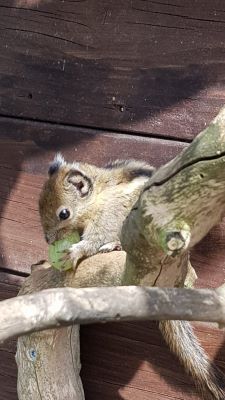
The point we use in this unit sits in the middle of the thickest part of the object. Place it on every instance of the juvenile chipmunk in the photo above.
(95, 201)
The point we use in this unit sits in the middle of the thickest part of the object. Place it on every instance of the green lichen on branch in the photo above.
(178, 206)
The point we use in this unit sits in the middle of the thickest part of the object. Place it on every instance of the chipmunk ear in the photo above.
(56, 164)
(81, 182)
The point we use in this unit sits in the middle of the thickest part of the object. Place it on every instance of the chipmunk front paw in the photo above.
(74, 253)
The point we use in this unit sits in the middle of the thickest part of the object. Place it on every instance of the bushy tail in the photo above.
(183, 342)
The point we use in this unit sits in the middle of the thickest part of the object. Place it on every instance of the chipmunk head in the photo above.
(65, 188)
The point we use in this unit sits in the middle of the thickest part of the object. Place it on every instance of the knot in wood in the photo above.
(175, 241)
(31, 354)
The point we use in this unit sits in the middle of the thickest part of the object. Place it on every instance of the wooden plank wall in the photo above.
(101, 80)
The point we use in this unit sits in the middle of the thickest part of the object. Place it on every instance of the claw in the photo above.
(64, 258)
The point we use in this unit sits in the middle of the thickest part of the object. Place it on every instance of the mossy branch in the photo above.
(179, 205)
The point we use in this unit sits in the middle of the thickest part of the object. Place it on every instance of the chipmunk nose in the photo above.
(50, 237)
(47, 238)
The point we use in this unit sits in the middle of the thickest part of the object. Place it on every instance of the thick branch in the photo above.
(49, 361)
(59, 307)
(179, 205)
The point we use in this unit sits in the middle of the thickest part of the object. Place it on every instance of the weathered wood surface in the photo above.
(150, 67)
(136, 356)
(120, 360)
(64, 306)
(179, 205)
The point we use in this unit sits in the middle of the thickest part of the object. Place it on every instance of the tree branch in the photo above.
(64, 306)
(182, 201)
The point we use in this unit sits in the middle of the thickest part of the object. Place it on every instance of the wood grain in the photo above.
(150, 67)
(134, 355)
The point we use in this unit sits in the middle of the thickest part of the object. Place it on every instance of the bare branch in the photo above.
(64, 306)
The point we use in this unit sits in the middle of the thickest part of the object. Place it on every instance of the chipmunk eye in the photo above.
(64, 214)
